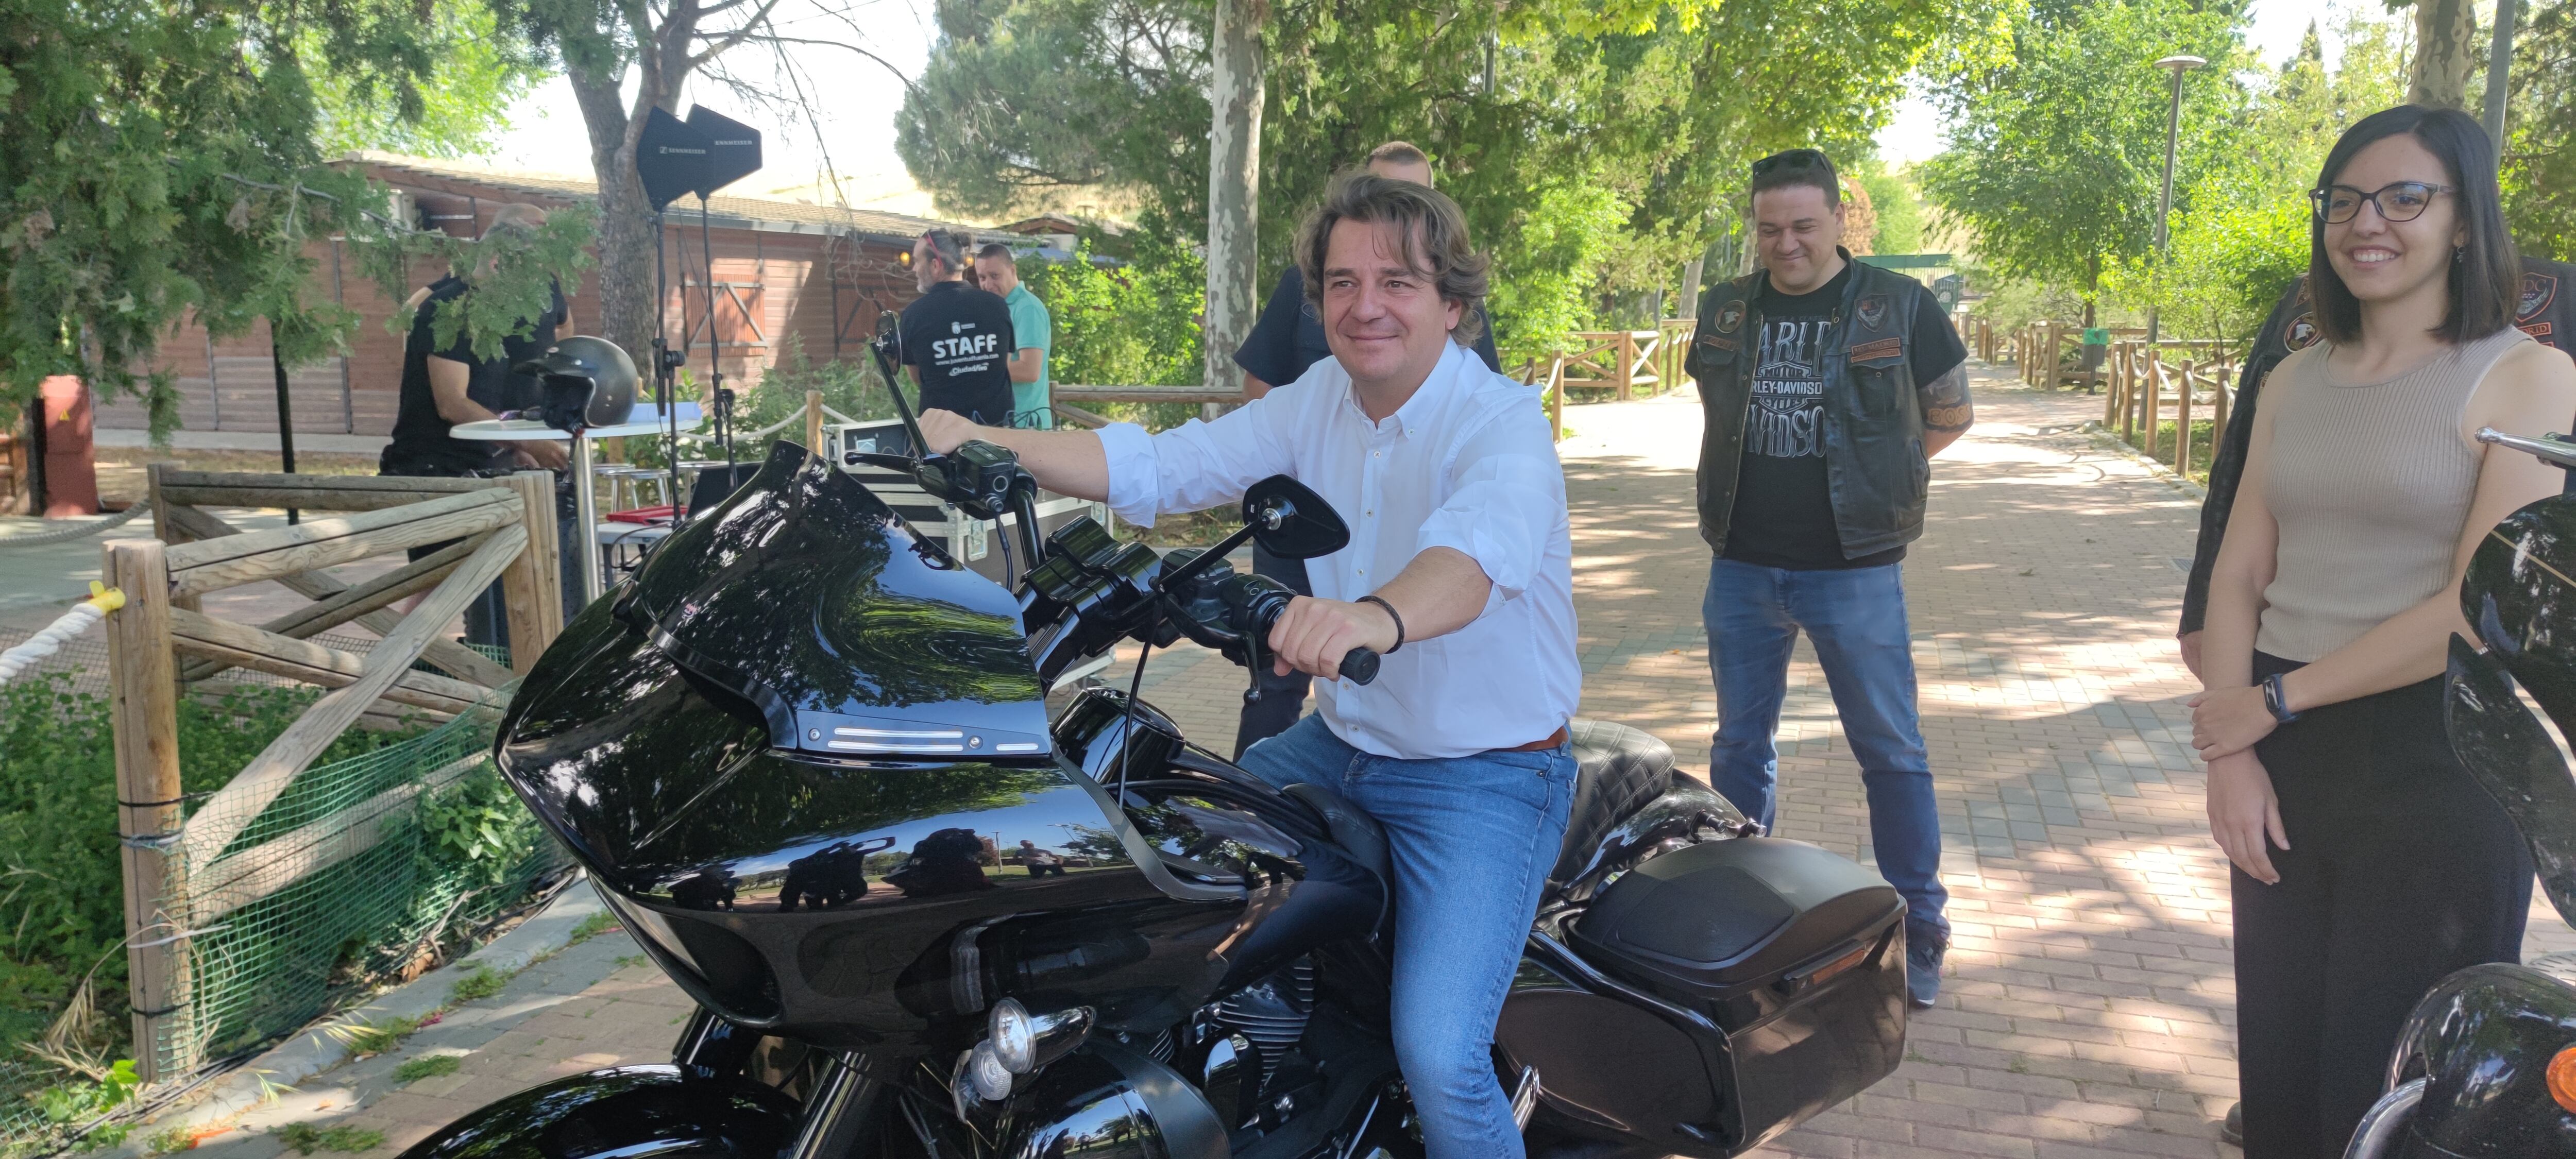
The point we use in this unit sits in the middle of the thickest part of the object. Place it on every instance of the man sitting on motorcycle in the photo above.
(1459, 572)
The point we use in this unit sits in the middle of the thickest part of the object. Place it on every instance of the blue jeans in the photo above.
(1856, 618)
(1472, 839)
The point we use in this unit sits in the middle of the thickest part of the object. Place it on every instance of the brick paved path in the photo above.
(2089, 1010)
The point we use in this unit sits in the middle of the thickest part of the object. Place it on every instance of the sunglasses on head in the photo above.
(1799, 157)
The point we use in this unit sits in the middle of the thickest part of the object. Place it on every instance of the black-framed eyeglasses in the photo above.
(1803, 158)
(2396, 201)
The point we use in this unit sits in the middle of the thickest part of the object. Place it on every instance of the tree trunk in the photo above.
(627, 308)
(1687, 306)
(1234, 186)
(2446, 35)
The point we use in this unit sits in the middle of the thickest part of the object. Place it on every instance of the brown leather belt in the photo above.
(1540, 745)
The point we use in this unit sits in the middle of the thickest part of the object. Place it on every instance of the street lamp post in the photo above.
(2178, 65)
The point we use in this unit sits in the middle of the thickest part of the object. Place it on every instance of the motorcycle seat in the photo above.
(1618, 770)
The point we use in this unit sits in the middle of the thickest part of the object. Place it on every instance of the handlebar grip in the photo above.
(1359, 665)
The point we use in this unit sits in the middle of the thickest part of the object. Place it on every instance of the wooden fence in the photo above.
(181, 877)
(1627, 362)
(2195, 378)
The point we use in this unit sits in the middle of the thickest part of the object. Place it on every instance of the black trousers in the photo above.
(1283, 698)
(2400, 871)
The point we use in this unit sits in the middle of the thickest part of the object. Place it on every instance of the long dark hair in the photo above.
(2486, 278)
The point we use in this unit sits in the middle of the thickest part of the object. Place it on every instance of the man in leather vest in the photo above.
(2546, 310)
(1827, 386)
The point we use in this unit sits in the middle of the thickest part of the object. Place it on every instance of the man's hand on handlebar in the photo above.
(1314, 634)
(945, 429)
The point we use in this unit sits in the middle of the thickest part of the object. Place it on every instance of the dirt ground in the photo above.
(120, 469)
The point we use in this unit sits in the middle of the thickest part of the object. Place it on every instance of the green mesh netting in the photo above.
(363, 871)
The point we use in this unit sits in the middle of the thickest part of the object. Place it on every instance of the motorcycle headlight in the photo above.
(1014, 1037)
(984, 1069)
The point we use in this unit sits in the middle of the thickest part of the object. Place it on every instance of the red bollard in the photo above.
(71, 459)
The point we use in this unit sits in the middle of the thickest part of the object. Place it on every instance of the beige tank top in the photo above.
(2370, 484)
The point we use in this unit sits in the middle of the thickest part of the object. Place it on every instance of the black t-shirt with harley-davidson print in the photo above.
(1784, 508)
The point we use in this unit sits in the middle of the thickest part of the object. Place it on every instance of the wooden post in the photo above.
(143, 680)
(532, 587)
(814, 422)
(1556, 397)
(1627, 364)
(2218, 413)
(2182, 425)
(2155, 401)
(152, 494)
(2111, 395)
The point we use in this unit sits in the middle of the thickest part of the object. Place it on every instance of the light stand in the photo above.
(701, 155)
(715, 345)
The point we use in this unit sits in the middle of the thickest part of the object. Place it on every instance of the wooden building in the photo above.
(781, 268)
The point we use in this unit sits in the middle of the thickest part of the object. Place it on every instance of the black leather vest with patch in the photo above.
(1873, 420)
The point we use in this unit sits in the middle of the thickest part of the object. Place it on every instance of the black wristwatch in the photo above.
(2277, 700)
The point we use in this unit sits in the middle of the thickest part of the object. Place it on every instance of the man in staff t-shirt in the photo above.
(957, 338)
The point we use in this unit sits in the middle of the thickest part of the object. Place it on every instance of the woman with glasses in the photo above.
(2367, 864)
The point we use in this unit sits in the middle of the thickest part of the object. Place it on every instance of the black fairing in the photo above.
(630, 1110)
(2518, 597)
(2482, 1040)
(807, 596)
(2484, 1037)
(844, 900)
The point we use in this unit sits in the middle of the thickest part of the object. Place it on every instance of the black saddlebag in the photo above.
(1798, 954)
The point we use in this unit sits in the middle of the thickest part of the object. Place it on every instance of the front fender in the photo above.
(2482, 1040)
(623, 1112)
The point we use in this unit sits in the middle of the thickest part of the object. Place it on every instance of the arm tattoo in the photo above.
(1945, 401)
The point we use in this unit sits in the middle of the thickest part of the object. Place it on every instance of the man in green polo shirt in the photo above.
(999, 273)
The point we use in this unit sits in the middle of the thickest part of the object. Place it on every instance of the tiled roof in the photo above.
(749, 212)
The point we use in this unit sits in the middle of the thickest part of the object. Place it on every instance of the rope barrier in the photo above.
(102, 600)
(76, 531)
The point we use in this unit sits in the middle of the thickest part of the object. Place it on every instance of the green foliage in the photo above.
(367, 1039)
(305, 1138)
(1654, 108)
(1129, 325)
(62, 915)
(483, 983)
(1896, 200)
(2229, 266)
(1564, 244)
(476, 73)
(431, 1066)
(2540, 153)
(162, 162)
(850, 385)
(2056, 150)
(480, 822)
(592, 926)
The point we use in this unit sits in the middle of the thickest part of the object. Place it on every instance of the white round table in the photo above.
(647, 420)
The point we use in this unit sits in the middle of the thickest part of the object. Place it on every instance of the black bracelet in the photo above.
(1390, 614)
(2277, 699)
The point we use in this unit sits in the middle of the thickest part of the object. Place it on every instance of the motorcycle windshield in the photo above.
(806, 595)
(2519, 597)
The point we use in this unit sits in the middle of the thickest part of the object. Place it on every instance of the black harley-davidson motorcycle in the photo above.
(806, 757)
(2486, 1065)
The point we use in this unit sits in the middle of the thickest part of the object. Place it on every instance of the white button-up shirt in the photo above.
(1468, 464)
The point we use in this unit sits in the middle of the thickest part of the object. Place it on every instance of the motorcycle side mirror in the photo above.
(1289, 520)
